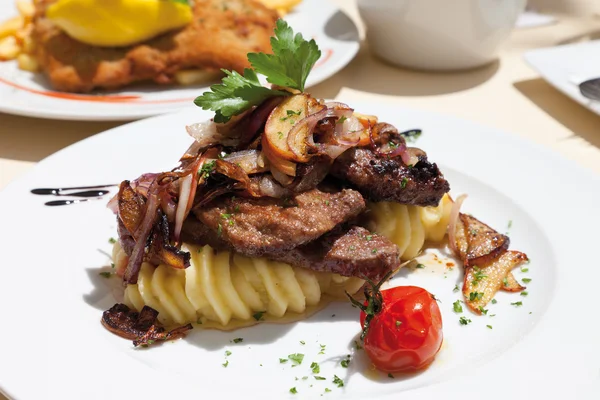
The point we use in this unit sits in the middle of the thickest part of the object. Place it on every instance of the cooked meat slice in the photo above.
(140, 327)
(388, 179)
(257, 226)
(356, 252)
(196, 232)
(220, 36)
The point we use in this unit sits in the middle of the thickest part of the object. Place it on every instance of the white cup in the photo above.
(439, 34)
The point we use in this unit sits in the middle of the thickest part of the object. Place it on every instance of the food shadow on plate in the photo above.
(341, 27)
(586, 37)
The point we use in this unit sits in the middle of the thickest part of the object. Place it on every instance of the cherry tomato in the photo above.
(407, 333)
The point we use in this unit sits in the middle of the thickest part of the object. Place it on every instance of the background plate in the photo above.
(565, 67)
(30, 94)
(51, 296)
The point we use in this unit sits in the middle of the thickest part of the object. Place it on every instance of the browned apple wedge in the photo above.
(510, 284)
(485, 244)
(280, 123)
(131, 206)
(283, 165)
(483, 281)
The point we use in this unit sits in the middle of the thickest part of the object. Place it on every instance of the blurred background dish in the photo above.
(439, 34)
(26, 92)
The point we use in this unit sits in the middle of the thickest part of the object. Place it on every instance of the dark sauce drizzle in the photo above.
(89, 193)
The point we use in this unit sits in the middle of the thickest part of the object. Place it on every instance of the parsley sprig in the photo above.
(288, 67)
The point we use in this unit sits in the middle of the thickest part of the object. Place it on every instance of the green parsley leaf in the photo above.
(225, 364)
(517, 304)
(412, 135)
(345, 362)
(302, 342)
(464, 321)
(398, 323)
(524, 270)
(319, 378)
(304, 378)
(327, 390)
(524, 293)
(292, 59)
(510, 224)
(105, 274)
(293, 390)
(238, 340)
(337, 381)
(357, 345)
(456, 289)
(483, 310)
(457, 306)
(315, 368)
(296, 357)
(478, 275)
(494, 301)
(489, 326)
(236, 94)
(283, 360)
(341, 120)
(258, 315)
(420, 266)
(473, 296)
(227, 353)
(112, 240)
(526, 280)
(112, 265)
(403, 182)
(374, 251)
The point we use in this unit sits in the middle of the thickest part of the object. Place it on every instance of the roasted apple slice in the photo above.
(483, 281)
(278, 126)
(510, 284)
(485, 244)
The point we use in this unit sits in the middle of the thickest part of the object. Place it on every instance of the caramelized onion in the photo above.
(300, 137)
(270, 188)
(386, 141)
(185, 191)
(251, 161)
(141, 235)
(454, 215)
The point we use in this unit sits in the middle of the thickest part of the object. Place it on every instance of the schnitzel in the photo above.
(220, 36)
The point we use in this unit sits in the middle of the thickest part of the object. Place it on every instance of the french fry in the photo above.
(282, 6)
(25, 8)
(9, 49)
(27, 62)
(197, 76)
(10, 27)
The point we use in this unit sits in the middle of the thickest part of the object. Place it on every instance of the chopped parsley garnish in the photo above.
(315, 368)
(207, 168)
(357, 345)
(526, 280)
(200, 250)
(297, 358)
(337, 381)
(227, 353)
(510, 224)
(219, 230)
(420, 266)
(225, 364)
(464, 321)
(478, 275)
(291, 113)
(374, 251)
(238, 340)
(283, 360)
(302, 342)
(352, 248)
(489, 326)
(403, 182)
(457, 306)
(322, 349)
(112, 240)
(345, 363)
(105, 274)
(258, 315)
(524, 270)
(319, 378)
(494, 301)
(112, 265)
(483, 310)
(304, 378)
(473, 296)
(524, 293)
(456, 289)
(492, 315)
(341, 120)
(505, 281)
(517, 304)
(280, 134)
(293, 390)
(327, 390)
(390, 375)
(369, 237)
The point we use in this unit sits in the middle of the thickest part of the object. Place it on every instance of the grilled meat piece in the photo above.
(254, 227)
(388, 179)
(354, 253)
(220, 36)
(140, 327)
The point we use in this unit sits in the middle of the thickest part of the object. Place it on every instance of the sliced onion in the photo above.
(300, 137)
(142, 233)
(348, 132)
(248, 160)
(168, 205)
(454, 215)
(143, 183)
(270, 188)
(207, 134)
(281, 177)
(113, 204)
(411, 155)
(185, 191)
(387, 141)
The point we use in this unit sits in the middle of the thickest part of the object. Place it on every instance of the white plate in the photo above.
(565, 67)
(30, 94)
(51, 296)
